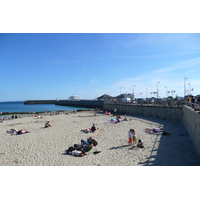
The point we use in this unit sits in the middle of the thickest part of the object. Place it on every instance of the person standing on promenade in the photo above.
(130, 137)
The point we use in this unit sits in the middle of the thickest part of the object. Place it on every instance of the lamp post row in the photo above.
(165, 87)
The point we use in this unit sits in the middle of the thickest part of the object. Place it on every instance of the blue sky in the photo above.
(51, 66)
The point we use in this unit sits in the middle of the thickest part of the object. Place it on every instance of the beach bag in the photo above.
(95, 143)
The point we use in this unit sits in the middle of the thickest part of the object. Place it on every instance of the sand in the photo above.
(46, 146)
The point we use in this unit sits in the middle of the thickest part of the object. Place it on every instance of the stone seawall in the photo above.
(173, 113)
(191, 121)
(40, 102)
(185, 114)
(81, 103)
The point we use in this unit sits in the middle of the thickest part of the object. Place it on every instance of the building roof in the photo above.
(105, 96)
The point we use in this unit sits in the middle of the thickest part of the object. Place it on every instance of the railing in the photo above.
(159, 103)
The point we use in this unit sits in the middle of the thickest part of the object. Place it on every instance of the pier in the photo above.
(40, 102)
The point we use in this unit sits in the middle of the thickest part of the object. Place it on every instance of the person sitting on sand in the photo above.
(87, 146)
(140, 144)
(47, 124)
(93, 128)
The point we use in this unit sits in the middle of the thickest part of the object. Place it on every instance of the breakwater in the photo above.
(40, 102)
(81, 103)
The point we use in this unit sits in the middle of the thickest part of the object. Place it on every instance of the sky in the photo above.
(58, 65)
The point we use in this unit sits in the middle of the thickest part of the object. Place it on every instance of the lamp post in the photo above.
(166, 91)
(133, 90)
(157, 88)
(185, 86)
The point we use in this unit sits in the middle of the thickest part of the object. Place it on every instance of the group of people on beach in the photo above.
(3, 119)
(21, 131)
(79, 150)
(90, 130)
(132, 139)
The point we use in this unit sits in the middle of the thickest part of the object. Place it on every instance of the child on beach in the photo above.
(134, 136)
(140, 144)
(130, 138)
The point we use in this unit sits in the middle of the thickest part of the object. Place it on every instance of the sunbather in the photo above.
(15, 131)
(78, 153)
(155, 131)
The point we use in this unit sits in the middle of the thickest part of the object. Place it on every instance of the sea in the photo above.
(19, 106)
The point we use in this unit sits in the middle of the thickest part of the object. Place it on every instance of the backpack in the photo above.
(95, 143)
(77, 146)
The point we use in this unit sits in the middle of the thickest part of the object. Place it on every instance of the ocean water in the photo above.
(18, 106)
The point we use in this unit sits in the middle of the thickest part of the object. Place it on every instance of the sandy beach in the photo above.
(46, 146)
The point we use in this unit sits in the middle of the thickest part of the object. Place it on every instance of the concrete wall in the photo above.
(81, 103)
(175, 113)
(191, 121)
(40, 102)
(185, 114)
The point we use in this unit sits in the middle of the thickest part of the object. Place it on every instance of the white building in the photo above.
(74, 98)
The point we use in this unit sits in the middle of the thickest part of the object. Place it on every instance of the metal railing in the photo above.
(159, 103)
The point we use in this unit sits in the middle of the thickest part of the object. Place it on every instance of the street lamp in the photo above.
(133, 90)
(157, 88)
(185, 86)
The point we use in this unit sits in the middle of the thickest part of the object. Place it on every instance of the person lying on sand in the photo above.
(15, 131)
(118, 119)
(125, 118)
(47, 124)
(85, 146)
(78, 153)
(156, 131)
